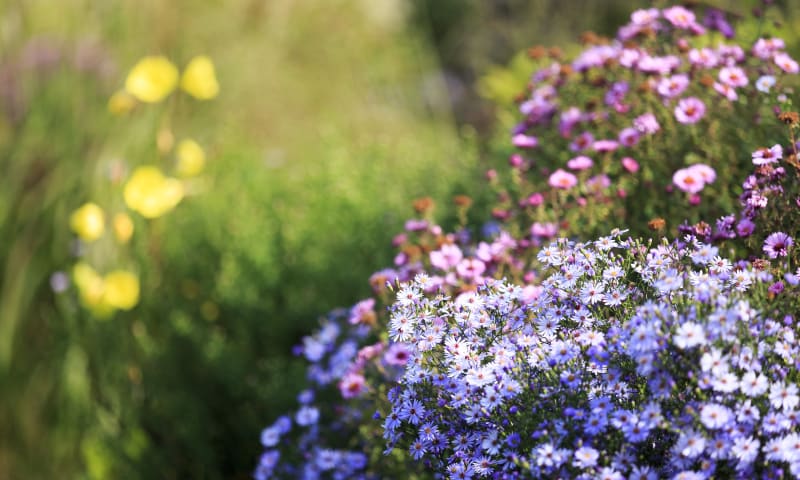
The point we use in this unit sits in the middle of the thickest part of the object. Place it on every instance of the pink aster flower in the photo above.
(544, 230)
(704, 57)
(671, 87)
(786, 63)
(777, 245)
(580, 163)
(660, 65)
(629, 57)
(733, 76)
(630, 164)
(706, 173)
(363, 312)
(688, 180)
(535, 199)
(690, 110)
(447, 257)
(470, 268)
(680, 17)
(763, 156)
(726, 91)
(730, 54)
(605, 145)
(646, 123)
(352, 385)
(562, 179)
(645, 17)
(525, 141)
(765, 48)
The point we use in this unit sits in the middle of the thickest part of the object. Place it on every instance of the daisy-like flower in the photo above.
(745, 449)
(754, 384)
(629, 137)
(726, 91)
(765, 83)
(704, 57)
(562, 179)
(679, 17)
(690, 110)
(688, 180)
(646, 123)
(580, 162)
(524, 141)
(777, 245)
(605, 145)
(630, 164)
(764, 48)
(586, 457)
(786, 63)
(784, 396)
(714, 415)
(689, 335)
(763, 156)
(671, 87)
(733, 76)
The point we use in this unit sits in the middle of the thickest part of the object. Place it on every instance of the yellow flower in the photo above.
(88, 222)
(121, 103)
(90, 284)
(199, 79)
(121, 289)
(191, 158)
(123, 227)
(152, 79)
(102, 295)
(152, 194)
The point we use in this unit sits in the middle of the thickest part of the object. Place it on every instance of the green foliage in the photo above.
(315, 150)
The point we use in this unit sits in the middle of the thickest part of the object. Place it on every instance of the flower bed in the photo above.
(628, 312)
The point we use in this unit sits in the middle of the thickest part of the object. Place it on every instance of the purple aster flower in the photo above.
(715, 20)
(777, 245)
(745, 227)
(776, 288)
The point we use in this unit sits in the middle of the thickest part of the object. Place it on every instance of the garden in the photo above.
(425, 239)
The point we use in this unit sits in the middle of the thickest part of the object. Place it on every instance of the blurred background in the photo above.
(332, 117)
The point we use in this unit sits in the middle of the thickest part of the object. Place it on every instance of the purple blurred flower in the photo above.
(777, 245)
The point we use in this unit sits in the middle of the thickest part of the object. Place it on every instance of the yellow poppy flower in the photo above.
(152, 194)
(121, 103)
(88, 222)
(191, 158)
(123, 227)
(199, 79)
(121, 289)
(152, 79)
(90, 284)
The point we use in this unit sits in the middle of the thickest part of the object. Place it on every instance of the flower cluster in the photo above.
(631, 361)
(624, 119)
(147, 190)
(509, 353)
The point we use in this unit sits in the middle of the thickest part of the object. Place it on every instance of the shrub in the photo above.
(640, 354)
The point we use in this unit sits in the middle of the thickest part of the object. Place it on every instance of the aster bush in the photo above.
(665, 349)
(649, 124)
